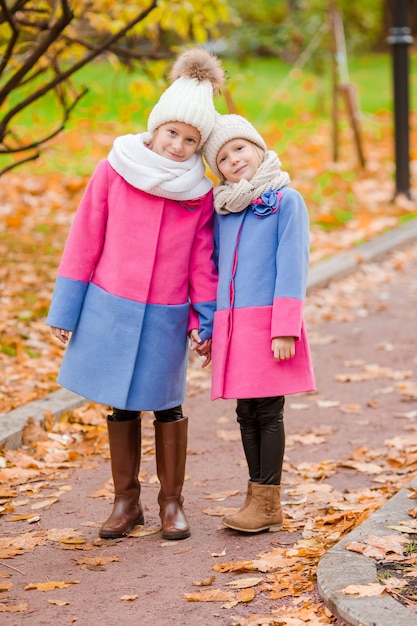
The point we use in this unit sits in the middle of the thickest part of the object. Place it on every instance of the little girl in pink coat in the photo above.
(136, 277)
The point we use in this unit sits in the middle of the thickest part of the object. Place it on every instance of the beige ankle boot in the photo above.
(263, 512)
(247, 499)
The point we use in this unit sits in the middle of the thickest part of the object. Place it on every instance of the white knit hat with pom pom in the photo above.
(196, 77)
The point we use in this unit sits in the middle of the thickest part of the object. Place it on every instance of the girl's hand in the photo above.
(60, 333)
(203, 349)
(283, 348)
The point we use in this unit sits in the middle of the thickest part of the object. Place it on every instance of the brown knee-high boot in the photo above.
(125, 451)
(171, 452)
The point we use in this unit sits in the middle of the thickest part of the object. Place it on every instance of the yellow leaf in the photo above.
(13, 608)
(97, 560)
(140, 531)
(62, 534)
(182, 550)
(210, 595)
(204, 583)
(243, 583)
(246, 595)
(129, 598)
(45, 503)
(51, 585)
(20, 518)
(240, 566)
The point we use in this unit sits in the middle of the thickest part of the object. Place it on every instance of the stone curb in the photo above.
(340, 567)
(323, 272)
(12, 423)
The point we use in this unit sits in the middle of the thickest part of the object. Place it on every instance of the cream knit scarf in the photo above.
(235, 197)
(146, 170)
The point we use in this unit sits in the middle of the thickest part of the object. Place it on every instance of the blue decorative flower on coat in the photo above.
(267, 204)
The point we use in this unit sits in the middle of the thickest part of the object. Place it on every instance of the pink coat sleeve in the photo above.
(86, 235)
(203, 273)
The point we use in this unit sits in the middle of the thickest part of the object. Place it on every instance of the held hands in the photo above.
(60, 333)
(203, 349)
(283, 348)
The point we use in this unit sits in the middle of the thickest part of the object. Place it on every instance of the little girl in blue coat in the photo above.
(260, 351)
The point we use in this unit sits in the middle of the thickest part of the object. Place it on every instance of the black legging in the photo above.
(261, 423)
(167, 415)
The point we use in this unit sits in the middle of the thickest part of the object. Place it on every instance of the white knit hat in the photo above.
(229, 127)
(197, 75)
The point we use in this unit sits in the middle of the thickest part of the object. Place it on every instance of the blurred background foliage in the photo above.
(285, 28)
(58, 56)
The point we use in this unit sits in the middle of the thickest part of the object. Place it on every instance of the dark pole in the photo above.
(400, 38)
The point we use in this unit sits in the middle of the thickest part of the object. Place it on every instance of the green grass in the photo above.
(281, 101)
(261, 88)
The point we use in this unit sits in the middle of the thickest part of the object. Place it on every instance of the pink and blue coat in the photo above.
(137, 273)
(263, 266)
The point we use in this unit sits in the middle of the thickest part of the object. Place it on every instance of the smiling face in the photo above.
(239, 158)
(176, 141)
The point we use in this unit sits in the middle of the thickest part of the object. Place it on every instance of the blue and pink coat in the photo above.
(263, 266)
(137, 273)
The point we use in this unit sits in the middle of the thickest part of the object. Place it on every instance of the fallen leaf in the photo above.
(246, 595)
(58, 602)
(204, 583)
(219, 511)
(13, 608)
(5, 585)
(45, 503)
(221, 495)
(50, 585)
(364, 591)
(141, 531)
(394, 583)
(96, 560)
(216, 554)
(243, 583)
(212, 595)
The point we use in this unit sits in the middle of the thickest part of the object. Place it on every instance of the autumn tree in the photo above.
(44, 43)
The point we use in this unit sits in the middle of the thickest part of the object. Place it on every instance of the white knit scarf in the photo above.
(235, 197)
(146, 170)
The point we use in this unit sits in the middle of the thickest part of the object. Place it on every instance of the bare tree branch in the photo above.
(15, 34)
(48, 37)
(35, 144)
(44, 44)
(64, 75)
(15, 164)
